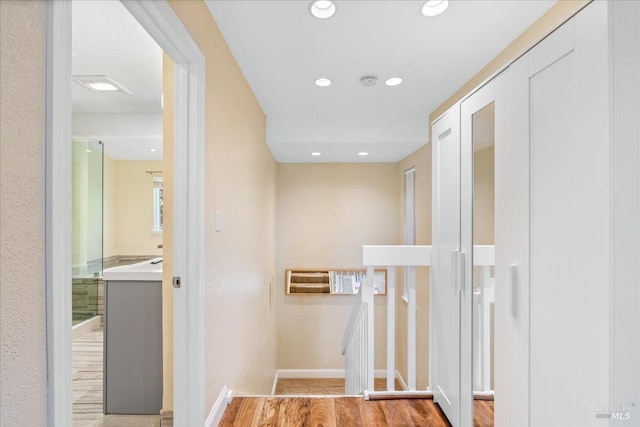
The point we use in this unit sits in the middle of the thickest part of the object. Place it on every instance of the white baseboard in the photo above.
(320, 373)
(85, 327)
(326, 373)
(275, 383)
(224, 398)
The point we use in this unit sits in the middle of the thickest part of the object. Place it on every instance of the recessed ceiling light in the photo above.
(322, 82)
(100, 84)
(316, 153)
(322, 9)
(363, 153)
(393, 81)
(88, 151)
(153, 150)
(434, 7)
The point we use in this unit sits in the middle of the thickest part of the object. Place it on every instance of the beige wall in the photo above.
(421, 160)
(128, 208)
(23, 383)
(240, 179)
(326, 212)
(483, 196)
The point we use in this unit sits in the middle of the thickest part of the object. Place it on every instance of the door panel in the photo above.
(445, 296)
(470, 106)
(552, 221)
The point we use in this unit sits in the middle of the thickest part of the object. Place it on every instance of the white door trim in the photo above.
(58, 213)
(160, 21)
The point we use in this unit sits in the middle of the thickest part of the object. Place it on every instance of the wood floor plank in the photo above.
(347, 410)
(295, 412)
(271, 412)
(322, 413)
(433, 415)
(249, 413)
(343, 412)
(230, 412)
(483, 413)
(398, 413)
(373, 413)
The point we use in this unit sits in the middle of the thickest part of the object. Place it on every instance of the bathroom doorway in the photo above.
(187, 95)
(117, 209)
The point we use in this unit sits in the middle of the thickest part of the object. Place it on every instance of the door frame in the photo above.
(161, 22)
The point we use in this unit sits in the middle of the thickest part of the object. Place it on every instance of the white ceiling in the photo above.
(282, 49)
(107, 40)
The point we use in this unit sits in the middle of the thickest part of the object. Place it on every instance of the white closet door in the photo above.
(445, 284)
(553, 224)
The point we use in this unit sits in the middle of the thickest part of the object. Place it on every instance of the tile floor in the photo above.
(87, 388)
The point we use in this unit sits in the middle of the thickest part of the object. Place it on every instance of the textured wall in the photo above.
(22, 252)
(326, 212)
(240, 179)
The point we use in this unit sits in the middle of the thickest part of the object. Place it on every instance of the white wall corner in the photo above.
(217, 411)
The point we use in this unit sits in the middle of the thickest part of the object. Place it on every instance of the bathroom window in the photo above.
(157, 204)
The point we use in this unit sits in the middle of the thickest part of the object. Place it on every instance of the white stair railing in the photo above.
(391, 257)
(357, 344)
(484, 297)
(410, 257)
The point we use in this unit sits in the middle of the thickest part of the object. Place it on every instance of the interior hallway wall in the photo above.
(326, 212)
(421, 160)
(240, 180)
(23, 356)
(484, 197)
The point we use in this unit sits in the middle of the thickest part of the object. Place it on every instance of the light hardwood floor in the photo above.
(87, 362)
(342, 412)
(331, 412)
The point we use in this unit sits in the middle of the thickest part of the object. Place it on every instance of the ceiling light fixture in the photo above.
(100, 84)
(322, 9)
(363, 153)
(434, 7)
(316, 153)
(393, 81)
(323, 82)
(153, 150)
(88, 151)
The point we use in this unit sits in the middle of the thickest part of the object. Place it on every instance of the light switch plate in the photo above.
(218, 220)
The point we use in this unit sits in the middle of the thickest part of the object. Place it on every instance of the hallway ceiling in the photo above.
(282, 49)
(107, 40)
